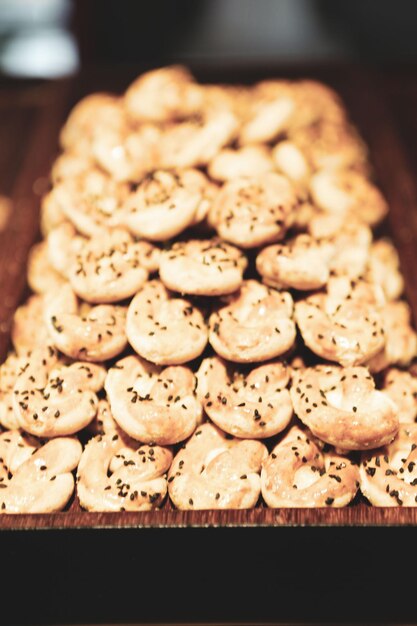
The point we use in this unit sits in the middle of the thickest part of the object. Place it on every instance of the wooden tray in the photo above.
(232, 562)
(359, 91)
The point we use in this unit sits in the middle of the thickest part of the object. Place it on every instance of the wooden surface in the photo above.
(381, 104)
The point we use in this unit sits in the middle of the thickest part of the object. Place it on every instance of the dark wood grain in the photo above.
(34, 132)
(363, 94)
(352, 516)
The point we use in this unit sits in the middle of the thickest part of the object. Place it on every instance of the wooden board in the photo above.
(360, 92)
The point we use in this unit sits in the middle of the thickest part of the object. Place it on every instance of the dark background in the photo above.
(53, 38)
(242, 31)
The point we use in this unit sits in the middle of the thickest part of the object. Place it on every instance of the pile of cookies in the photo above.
(212, 320)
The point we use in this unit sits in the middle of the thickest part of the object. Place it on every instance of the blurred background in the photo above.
(54, 38)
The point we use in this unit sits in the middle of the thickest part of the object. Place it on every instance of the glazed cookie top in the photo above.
(165, 203)
(202, 267)
(94, 334)
(110, 268)
(164, 328)
(151, 404)
(39, 480)
(114, 474)
(253, 324)
(343, 324)
(51, 399)
(298, 473)
(389, 475)
(213, 471)
(302, 263)
(255, 404)
(255, 210)
(342, 407)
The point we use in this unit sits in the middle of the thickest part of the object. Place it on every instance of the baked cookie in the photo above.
(163, 95)
(111, 268)
(348, 192)
(389, 475)
(298, 473)
(40, 479)
(114, 474)
(401, 387)
(252, 404)
(202, 267)
(29, 330)
(214, 471)
(341, 406)
(344, 324)
(165, 203)
(253, 324)
(247, 161)
(151, 404)
(97, 334)
(9, 371)
(163, 328)
(302, 263)
(255, 210)
(51, 399)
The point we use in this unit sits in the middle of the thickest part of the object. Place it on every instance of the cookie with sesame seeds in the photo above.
(96, 334)
(196, 141)
(51, 399)
(15, 448)
(164, 328)
(253, 404)
(302, 263)
(111, 268)
(253, 324)
(254, 211)
(389, 475)
(300, 474)
(9, 371)
(90, 201)
(153, 404)
(341, 406)
(402, 389)
(39, 479)
(127, 154)
(331, 145)
(343, 323)
(400, 346)
(202, 267)
(165, 203)
(216, 471)
(114, 474)
(350, 239)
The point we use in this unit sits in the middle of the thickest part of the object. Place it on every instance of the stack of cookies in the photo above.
(212, 320)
